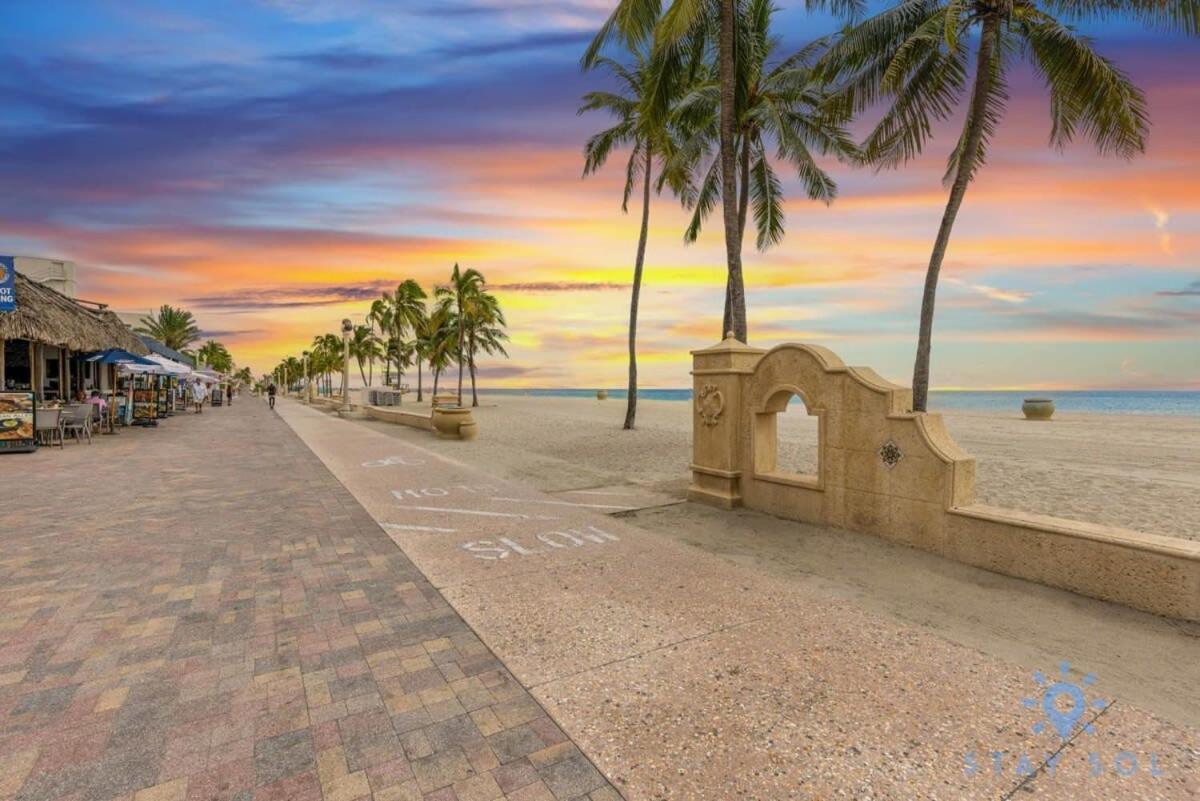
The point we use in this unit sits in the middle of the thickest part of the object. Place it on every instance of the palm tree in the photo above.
(216, 356)
(441, 344)
(485, 333)
(641, 126)
(365, 348)
(408, 310)
(462, 295)
(784, 106)
(686, 26)
(915, 57)
(175, 328)
(381, 315)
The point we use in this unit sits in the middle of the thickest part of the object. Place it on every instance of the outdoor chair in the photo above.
(78, 422)
(49, 426)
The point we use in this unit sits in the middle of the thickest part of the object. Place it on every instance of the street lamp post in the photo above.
(347, 330)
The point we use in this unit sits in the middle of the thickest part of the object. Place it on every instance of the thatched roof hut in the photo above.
(51, 318)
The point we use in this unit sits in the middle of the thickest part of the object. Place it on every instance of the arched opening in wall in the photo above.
(787, 438)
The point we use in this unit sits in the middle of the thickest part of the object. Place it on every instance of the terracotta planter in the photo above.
(602, 394)
(1038, 408)
(449, 421)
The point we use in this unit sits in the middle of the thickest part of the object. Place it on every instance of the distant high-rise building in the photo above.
(58, 274)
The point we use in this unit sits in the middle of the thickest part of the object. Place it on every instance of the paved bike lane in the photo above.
(682, 675)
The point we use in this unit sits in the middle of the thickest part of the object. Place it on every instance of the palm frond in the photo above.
(766, 196)
(1088, 93)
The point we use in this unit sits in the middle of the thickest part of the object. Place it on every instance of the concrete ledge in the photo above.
(390, 414)
(1145, 571)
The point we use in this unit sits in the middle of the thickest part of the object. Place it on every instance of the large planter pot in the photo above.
(449, 422)
(1038, 408)
(444, 399)
(602, 394)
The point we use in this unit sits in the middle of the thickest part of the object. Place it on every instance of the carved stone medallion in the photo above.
(710, 403)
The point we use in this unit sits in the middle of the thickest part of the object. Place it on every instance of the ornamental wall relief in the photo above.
(710, 403)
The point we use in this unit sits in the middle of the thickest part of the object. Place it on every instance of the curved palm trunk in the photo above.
(733, 240)
(635, 295)
(362, 373)
(958, 190)
(743, 206)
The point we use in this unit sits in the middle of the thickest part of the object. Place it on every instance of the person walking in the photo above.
(229, 394)
(198, 395)
(271, 394)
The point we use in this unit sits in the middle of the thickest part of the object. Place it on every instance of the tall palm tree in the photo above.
(441, 347)
(462, 295)
(365, 348)
(485, 333)
(680, 28)
(914, 58)
(381, 315)
(781, 106)
(641, 126)
(408, 310)
(175, 328)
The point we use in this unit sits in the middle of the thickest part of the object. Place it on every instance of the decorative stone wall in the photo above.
(884, 470)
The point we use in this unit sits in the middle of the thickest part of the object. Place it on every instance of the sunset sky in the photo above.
(272, 165)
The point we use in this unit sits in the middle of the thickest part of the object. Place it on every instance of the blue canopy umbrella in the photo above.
(115, 357)
(118, 356)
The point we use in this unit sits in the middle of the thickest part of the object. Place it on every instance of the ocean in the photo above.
(1079, 401)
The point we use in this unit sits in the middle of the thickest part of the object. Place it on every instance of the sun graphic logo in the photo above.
(3, 273)
(1063, 702)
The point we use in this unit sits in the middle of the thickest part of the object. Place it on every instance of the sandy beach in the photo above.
(1132, 471)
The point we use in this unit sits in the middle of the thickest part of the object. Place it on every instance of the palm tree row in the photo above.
(703, 76)
(401, 331)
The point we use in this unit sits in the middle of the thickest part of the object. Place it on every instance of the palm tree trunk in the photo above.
(419, 390)
(461, 355)
(958, 190)
(471, 346)
(474, 395)
(436, 375)
(743, 207)
(635, 295)
(733, 241)
(362, 373)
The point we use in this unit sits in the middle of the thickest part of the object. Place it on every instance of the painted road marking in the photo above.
(503, 547)
(478, 512)
(388, 461)
(441, 492)
(399, 527)
(561, 503)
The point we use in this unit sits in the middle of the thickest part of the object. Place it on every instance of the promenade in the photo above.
(211, 611)
(201, 612)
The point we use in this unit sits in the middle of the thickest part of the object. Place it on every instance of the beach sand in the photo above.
(1131, 471)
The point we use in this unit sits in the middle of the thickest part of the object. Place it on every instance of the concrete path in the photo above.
(201, 612)
(683, 676)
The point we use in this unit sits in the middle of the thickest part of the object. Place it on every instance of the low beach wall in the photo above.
(391, 414)
(887, 471)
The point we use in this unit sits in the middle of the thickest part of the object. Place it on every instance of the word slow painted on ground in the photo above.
(503, 547)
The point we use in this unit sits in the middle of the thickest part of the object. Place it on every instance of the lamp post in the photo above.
(347, 330)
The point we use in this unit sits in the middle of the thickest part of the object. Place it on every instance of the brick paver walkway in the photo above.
(202, 612)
